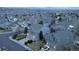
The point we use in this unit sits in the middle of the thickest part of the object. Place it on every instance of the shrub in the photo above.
(28, 42)
(52, 30)
(14, 36)
(41, 22)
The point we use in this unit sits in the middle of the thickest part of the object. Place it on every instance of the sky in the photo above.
(40, 3)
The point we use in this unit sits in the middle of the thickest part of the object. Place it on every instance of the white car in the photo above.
(71, 27)
(76, 44)
(46, 48)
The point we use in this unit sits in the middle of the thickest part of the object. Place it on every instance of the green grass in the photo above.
(4, 30)
(36, 45)
(19, 37)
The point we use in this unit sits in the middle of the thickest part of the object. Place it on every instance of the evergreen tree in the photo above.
(25, 30)
(41, 35)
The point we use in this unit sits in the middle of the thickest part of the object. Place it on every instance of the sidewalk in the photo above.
(20, 44)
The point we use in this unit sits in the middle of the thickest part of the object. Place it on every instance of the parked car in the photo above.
(76, 44)
(45, 48)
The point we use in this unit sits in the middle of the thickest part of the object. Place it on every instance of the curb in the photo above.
(20, 44)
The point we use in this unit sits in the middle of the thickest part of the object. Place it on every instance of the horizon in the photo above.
(51, 8)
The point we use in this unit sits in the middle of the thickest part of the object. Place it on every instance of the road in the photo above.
(10, 45)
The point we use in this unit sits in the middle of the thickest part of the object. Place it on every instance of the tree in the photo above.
(15, 35)
(52, 30)
(41, 22)
(25, 30)
(28, 42)
(41, 35)
(60, 19)
(16, 15)
(5, 16)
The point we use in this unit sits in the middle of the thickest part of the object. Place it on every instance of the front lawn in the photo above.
(4, 29)
(18, 36)
(36, 45)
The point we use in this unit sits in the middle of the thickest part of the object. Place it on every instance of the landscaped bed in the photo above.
(19, 36)
(4, 29)
(35, 45)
